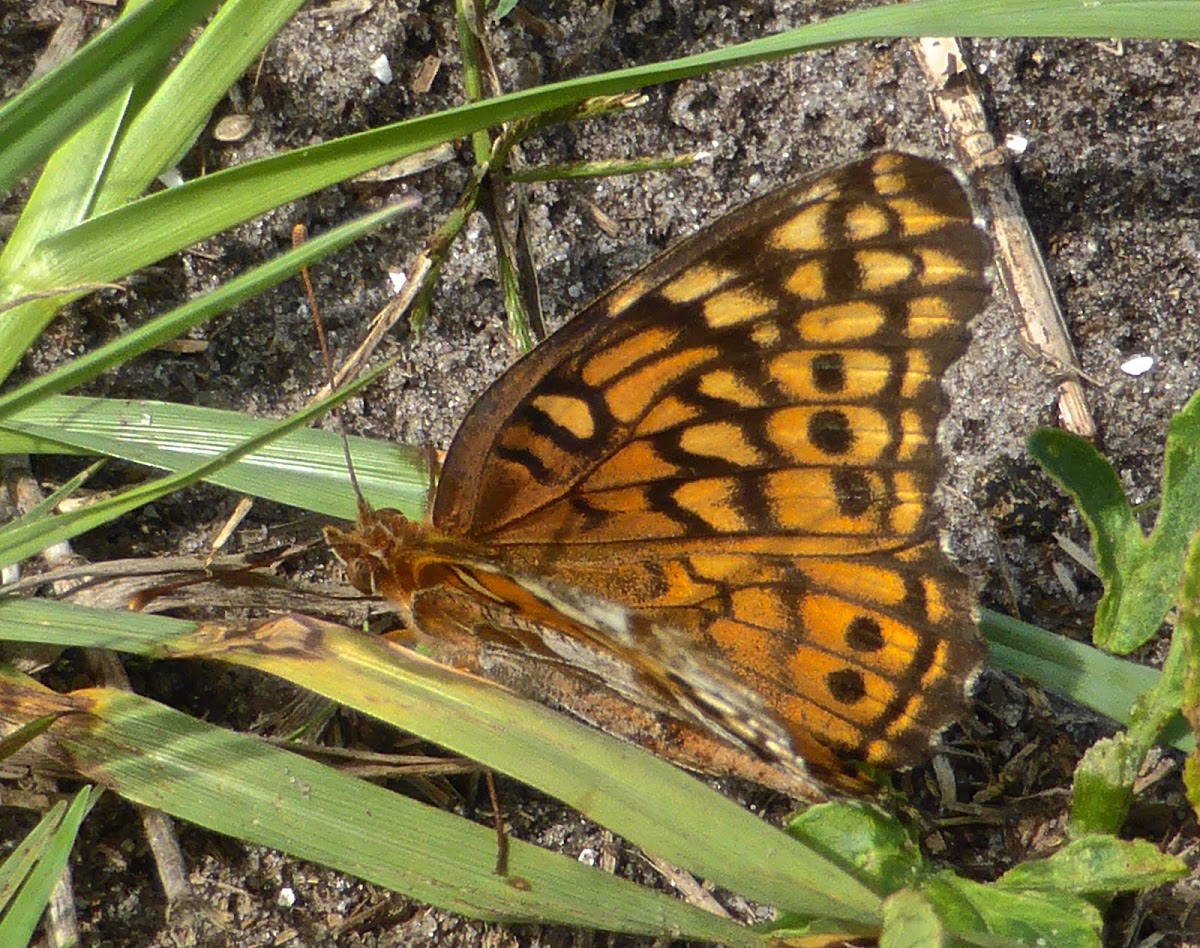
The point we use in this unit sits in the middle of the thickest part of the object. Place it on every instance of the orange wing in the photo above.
(739, 442)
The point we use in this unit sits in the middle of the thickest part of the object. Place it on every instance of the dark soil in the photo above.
(1109, 187)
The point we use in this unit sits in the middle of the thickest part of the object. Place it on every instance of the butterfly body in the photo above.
(711, 492)
(476, 612)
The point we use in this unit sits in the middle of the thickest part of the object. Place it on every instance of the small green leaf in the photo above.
(1103, 787)
(1104, 778)
(909, 921)
(1188, 629)
(1191, 780)
(1081, 471)
(1097, 865)
(1140, 574)
(871, 844)
(1027, 918)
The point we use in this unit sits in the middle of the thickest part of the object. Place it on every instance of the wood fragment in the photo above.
(607, 225)
(1017, 255)
(67, 37)
(183, 346)
(62, 926)
(688, 886)
(234, 520)
(423, 81)
(348, 9)
(538, 26)
(406, 167)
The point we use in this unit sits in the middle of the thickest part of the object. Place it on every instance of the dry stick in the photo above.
(1021, 265)
(498, 821)
(62, 925)
(527, 271)
(406, 167)
(686, 884)
(426, 265)
(420, 277)
(68, 37)
(232, 522)
(26, 494)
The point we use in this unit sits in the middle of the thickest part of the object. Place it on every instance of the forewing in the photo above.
(741, 439)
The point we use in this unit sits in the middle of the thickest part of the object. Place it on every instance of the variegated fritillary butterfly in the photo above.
(699, 515)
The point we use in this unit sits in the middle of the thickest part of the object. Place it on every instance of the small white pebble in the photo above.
(233, 128)
(397, 278)
(381, 69)
(1017, 144)
(287, 898)
(1139, 365)
(587, 856)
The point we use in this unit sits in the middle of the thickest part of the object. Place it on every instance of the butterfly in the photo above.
(700, 514)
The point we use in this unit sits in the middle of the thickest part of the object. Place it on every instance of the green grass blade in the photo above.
(63, 196)
(32, 869)
(21, 540)
(194, 313)
(44, 621)
(1100, 681)
(305, 468)
(53, 106)
(250, 790)
(169, 121)
(1117, 539)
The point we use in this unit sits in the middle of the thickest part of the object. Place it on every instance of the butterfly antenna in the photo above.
(299, 235)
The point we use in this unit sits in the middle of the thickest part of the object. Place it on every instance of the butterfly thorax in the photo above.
(388, 554)
(426, 572)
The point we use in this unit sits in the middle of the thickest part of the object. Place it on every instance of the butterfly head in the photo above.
(378, 553)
